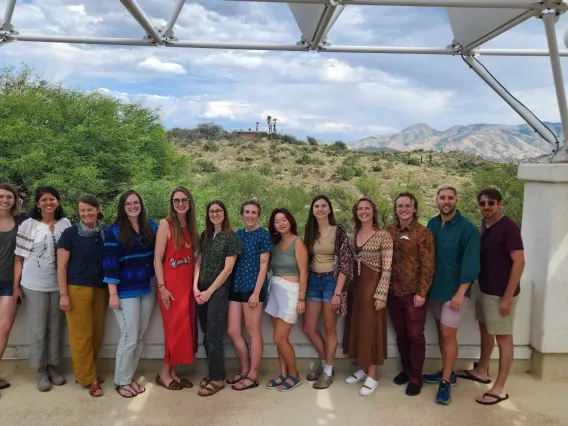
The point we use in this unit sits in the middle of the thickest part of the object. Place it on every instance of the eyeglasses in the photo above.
(180, 201)
(133, 204)
(403, 206)
(490, 203)
(212, 212)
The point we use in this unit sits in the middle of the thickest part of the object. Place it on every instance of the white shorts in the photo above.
(282, 300)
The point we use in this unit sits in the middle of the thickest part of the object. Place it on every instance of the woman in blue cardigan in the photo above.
(129, 268)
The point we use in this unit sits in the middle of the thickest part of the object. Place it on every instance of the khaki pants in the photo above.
(86, 322)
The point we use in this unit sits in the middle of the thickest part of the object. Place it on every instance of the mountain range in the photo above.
(497, 142)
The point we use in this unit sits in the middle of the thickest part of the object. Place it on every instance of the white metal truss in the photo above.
(323, 14)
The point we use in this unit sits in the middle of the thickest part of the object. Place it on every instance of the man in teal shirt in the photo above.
(457, 267)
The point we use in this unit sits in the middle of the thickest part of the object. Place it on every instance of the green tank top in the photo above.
(283, 264)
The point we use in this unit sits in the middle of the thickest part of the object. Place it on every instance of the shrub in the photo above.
(210, 146)
(304, 159)
(312, 141)
(413, 162)
(206, 166)
(377, 168)
(351, 160)
(344, 172)
(338, 146)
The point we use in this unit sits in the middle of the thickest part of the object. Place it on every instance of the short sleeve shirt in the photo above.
(246, 270)
(497, 243)
(213, 258)
(85, 267)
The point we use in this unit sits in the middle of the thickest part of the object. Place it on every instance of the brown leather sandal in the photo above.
(186, 383)
(94, 388)
(173, 385)
(211, 389)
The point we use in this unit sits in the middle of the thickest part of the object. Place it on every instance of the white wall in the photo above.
(468, 336)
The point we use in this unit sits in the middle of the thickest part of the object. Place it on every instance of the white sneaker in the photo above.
(358, 377)
(369, 387)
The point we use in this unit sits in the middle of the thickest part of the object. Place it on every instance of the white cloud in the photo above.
(225, 109)
(154, 64)
(332, 127)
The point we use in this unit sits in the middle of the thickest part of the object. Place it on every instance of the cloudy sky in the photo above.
(329, 96)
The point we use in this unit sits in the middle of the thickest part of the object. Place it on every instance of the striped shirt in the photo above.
(130, 268)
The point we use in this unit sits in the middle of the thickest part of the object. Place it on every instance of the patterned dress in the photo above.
(366, 337)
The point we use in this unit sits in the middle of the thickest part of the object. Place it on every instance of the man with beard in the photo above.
(457, 267)
(502, 264)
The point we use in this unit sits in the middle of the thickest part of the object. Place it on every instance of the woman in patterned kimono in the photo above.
(367, 339)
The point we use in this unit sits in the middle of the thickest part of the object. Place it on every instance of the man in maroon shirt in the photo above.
(502, 264)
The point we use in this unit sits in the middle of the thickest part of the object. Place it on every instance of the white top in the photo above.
(40, 267)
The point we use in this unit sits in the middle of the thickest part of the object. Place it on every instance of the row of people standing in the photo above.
(225, 273)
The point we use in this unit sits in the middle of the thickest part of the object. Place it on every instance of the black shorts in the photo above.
(243, 296)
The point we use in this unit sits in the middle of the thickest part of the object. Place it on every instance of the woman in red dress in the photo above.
(177, 246)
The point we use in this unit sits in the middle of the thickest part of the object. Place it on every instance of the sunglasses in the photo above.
(180, 201)
(490, 203)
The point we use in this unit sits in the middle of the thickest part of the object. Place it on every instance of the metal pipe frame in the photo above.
(324, 22)
(136, 11)
(429, 3)
(281, 47)
(519, 108)
(168, 31)
(511, 24)
(6, 23)
(549, 20)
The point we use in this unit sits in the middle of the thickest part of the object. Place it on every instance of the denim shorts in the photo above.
(6, 288)
(320, 287)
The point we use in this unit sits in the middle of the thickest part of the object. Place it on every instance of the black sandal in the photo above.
(253, 385)
(118, 388)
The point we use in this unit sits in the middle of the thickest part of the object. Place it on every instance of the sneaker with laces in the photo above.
(358, 377)
(43, 383)
(444, 395)
(436, 378)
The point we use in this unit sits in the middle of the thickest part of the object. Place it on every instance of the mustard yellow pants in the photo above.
(86, 323)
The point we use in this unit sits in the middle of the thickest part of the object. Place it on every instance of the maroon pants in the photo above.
(408, 323)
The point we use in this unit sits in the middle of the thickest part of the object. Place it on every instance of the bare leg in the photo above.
(506, 354)
(450, 351)
(235, 321)
(281, 360)
(310, 327)
(281, 338)
(330, 324)
(487, 345)
(8, 310)
(372, 372)
(253, 319)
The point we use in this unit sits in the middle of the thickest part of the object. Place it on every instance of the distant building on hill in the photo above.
(250, 135)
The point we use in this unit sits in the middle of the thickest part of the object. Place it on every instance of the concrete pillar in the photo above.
(545, 235)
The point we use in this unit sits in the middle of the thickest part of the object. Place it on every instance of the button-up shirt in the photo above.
(213, 258)
(413, 259)
(457, 256)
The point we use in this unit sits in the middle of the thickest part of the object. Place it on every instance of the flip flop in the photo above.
(467, 375)
(498, 399)
(4, 384)
(253, 385)
(173, 385)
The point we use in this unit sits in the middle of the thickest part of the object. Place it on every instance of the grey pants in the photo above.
(45, 321)
(133, 318)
